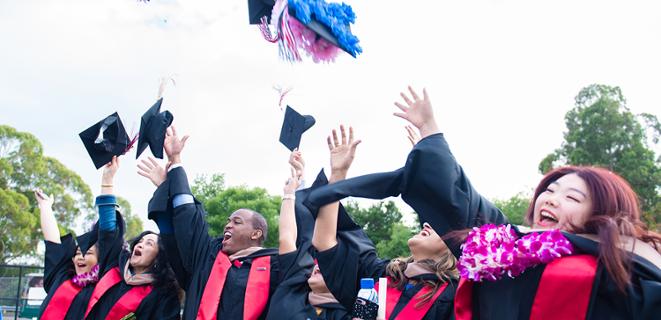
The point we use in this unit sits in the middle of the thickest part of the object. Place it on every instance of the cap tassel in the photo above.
(266, 31)
(133, 140)
(287, 43)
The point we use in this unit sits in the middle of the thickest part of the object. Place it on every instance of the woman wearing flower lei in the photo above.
(70, 268)
(587, 256)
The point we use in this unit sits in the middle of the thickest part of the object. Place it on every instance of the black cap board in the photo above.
(293, 127)
(88, 239)
(258, 9)
(153, 125)
(105, 139)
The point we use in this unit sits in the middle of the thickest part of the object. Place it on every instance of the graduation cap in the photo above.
(293, 126)
(105, 139)
(153, 125)
(88, 239)
(258, 9)
(327, 20)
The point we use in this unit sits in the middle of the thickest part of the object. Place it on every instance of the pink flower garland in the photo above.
(83, 279)
(490, 252)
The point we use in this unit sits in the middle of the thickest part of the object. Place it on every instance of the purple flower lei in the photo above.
(490, 252)
(90, 277)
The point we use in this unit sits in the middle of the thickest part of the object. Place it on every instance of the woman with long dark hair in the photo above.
(421, 286)
(139, 282)
(70, 266)
(587, 256)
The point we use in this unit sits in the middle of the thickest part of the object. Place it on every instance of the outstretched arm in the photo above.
(287, 223)
(48, 223)
(342, 153)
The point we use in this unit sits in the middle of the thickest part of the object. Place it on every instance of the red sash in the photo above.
(59, 304)
(257, 288)
(573, 275)
(109, 280)
(409, 311)
(129, 302)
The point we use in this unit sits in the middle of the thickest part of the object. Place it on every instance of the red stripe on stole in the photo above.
(257, 288)
(565, 288)
(410, 311)
(572, 274)
(110, 279)
(59, 304)
(129, 302)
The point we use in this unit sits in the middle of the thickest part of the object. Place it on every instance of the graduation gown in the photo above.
(59, 268)
(158, 304)
(343, 266)
(198, 252)
(354, 257)
(455, 205)
(290, 299)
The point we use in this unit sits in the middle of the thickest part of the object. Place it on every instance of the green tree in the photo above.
(602, 131)
(382, 222)
(24, 167)
(133, 223)
(514, 208)
(206, 187)
(397, 245)
(18, 224)
(231, 199)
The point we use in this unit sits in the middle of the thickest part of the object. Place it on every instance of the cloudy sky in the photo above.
(501, 75)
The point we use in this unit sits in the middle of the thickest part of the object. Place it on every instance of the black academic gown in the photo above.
(436, 187)
(453, 204)
(290, 299)
(344, 265)
(198, 251)
(58, 268)
(158, 304)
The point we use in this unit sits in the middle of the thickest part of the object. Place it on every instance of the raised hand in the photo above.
(173, 145)
(412, 135)
(342, 153)
(109, 171)
(418, 112)
(296, 161)
(44, 200)
(152, 170)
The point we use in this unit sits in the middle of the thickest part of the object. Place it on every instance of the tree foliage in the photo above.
(514, 208)
(24, 167)
(382, 222)
(602, 131)
(133, 223)
(230, 199)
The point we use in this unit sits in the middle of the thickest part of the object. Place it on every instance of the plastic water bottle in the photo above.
(366, 306)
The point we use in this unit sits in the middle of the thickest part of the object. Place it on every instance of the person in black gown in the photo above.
(424, 283)
(302, 293)
(230, 277)
(137, 281)
(596, 210)
(69, 271)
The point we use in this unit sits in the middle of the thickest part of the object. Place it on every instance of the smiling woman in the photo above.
(138, 282)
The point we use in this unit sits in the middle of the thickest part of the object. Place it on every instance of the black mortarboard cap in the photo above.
(88, 239)
(105, 139)
(153, 125)
(293, 127)
(258, 9)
